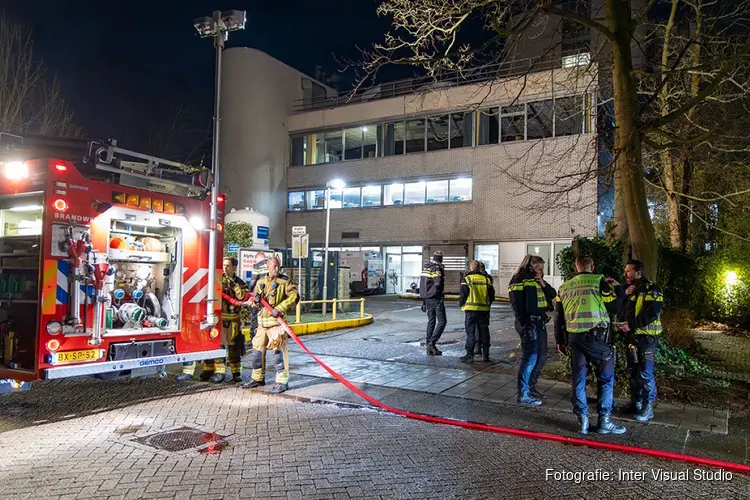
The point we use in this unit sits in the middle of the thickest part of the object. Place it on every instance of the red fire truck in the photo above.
(104, 262)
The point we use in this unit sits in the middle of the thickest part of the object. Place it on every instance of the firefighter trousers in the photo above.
(281, 356)
(234, 341)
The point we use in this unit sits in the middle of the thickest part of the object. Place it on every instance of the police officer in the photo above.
(641, 317)
(431, 291)
(281, 294)
(477, 344)
(582, 323)
(531, 298)
(477, 295)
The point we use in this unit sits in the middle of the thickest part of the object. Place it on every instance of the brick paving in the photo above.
(278, 447)
(489, 386)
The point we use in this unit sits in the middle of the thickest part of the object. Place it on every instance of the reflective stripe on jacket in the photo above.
(479, 294)
(583, 303)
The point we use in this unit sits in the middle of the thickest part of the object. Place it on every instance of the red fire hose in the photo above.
(744, 469)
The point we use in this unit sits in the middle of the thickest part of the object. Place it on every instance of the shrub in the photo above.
(607, 257)
(721, 288)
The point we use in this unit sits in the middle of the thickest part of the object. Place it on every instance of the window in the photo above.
(489, 126)
(394, 194)
(539, 119)
(512, 124)
(394, 139)
(299, 150)
(353, 143)
(568, 116)
(415, 130)
(371, 196)
(319, 155)
(414, 193)
(336, 196)
(370, 141)
(460, 189)
(437, 191)
(437, 133)
(489, 255)
(333, 146)
(296, 201)
(351, 197)
(460, 129)
(542, 250)
(316, 200)
(559, 247)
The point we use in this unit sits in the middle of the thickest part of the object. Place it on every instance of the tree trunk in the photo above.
(687, 206)
(628, 163)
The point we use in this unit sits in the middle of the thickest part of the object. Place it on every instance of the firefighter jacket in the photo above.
(432, 281)
(280, 293)
(529, 299)
(642, 310)
(477, 292)
(584, 303)
(237, 289)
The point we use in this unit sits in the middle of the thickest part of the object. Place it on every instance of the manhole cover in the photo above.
(180, 439)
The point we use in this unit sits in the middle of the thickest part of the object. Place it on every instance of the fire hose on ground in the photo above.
(734, 467)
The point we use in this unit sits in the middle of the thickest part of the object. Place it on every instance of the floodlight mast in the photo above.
(217, 27)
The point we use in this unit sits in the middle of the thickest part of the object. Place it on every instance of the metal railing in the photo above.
(335, 305)
(504, 69)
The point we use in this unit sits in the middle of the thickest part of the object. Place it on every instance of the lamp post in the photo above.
(335, 184)
(217, 27)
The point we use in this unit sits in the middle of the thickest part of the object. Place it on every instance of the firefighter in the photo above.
(477, 344)
(231, 332)
(531, 298)
(431, 291)
(260, 271)
(641, 322)
(281, 294)
(582, 322)
(477, 295)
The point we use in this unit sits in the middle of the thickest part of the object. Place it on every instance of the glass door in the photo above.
(394, 281)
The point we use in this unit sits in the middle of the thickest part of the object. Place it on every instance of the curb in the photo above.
(447, 298)
(325, 326)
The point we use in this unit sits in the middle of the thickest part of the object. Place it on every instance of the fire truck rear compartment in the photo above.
(135, 350)
(20, 243)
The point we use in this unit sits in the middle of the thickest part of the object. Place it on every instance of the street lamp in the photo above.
(334, 184)
(217, 27)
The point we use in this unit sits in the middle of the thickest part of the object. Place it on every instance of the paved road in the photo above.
(279, 447)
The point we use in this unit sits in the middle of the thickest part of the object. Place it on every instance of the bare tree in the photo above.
(178, 132)
(439, 36)
(30, 102)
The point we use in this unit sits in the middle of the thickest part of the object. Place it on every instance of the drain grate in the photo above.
(180, 439)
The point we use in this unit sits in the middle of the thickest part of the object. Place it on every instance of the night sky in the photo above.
(120, 62)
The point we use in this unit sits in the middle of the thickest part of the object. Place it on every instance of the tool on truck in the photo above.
(103, 261)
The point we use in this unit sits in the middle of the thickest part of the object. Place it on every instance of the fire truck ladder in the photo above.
(155, 174)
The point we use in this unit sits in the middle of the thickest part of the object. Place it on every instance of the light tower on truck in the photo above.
(217, 27)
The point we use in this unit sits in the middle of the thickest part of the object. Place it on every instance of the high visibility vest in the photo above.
(583, 303)
(541, 299)
(651, 294)
(478, 299)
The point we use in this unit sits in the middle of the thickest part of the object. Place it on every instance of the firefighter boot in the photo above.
(606, 426)
(253, 384)
(206, 375)
(432, 350)
(646, 413)
(583, 424)
(469, 358)
(183, 377)
(279, 388)
(217, 378)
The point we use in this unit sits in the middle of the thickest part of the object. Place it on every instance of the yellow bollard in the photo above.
(298, 311)
(362, 308)
(333, 311)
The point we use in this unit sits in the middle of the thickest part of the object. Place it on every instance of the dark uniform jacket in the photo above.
(524, 293)
(432, 281)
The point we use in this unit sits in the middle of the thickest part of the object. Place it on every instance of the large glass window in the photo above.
(568, 116)
(299, 150)
(489, 126)
(539, 119)
(370, 141)
(437, 133)
(394, 138)
(512, 124)
(461, 129)
(414, 193)
(333, 146)
(351, 197)
(320, 148)
(543, 250)
(415, 130)
(437, 191)
(559, 247)
(353, 143)
(336, 198)
(296, 201)
(489, 255)
(371, 196)
(460, 189)
(393, 194)
(316, 200)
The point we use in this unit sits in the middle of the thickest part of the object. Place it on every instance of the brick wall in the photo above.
(501, 208)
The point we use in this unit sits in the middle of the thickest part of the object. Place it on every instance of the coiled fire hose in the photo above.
(708, 462)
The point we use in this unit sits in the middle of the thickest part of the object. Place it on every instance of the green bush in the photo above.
(716, 297)
(607, 257)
